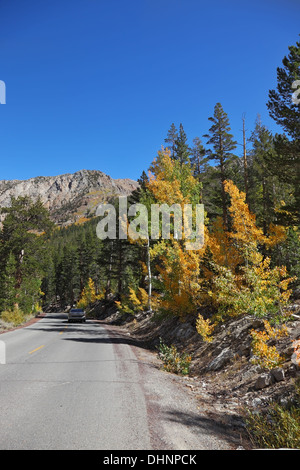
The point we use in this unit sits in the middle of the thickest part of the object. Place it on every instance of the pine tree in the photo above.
(9, 284)
(182, 150)
(68, 276)
(222, 143)
(262, 182)
(171, 139)
(245, 162)
(286, 112)
(24, 237)
(49, 281)
(198, 159)
(281, 106)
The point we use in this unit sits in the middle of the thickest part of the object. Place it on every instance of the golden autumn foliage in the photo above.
(171, 183)
(265, 355)
(258, 289)
(244, 231)
(205, 328)
(88, 295)
(81, 220)
(222, 250)
(230, 272)
(243, 280)
(179, 273)
(135, 300)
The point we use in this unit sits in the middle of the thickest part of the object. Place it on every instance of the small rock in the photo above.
(295, 361)
(284, 401)
(289, 350)
(190, 386)
(278, 374)
(221, 360)
(264, 380)
(256, 402)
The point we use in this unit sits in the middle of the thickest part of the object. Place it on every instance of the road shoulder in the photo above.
(177, 416)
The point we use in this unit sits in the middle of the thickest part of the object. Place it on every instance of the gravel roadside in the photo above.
(177, 420)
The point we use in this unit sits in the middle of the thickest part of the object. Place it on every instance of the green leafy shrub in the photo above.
(173, 361)
(278, 427)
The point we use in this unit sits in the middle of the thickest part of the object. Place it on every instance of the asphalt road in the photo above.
(80, 386)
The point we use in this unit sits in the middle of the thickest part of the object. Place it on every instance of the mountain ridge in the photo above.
(70, 196)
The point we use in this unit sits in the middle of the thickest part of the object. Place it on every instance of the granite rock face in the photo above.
(68, 197)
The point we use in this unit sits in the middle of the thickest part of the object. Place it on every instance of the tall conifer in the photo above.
(222, 143)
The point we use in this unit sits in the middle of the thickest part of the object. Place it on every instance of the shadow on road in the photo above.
(92, 331)
(102, 336)
(218, 426)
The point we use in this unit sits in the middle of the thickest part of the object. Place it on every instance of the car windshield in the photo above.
(76, 310)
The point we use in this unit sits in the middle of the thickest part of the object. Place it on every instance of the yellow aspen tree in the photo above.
(249, 285)
(171, 183)
(88, 295)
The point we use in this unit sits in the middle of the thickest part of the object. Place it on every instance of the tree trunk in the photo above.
(223, 178)
(245, 162)
(149, 276)
(108, 282)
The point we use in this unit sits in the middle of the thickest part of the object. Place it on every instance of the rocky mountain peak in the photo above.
(69, 197)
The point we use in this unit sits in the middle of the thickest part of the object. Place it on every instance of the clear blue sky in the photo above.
(96, 84)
